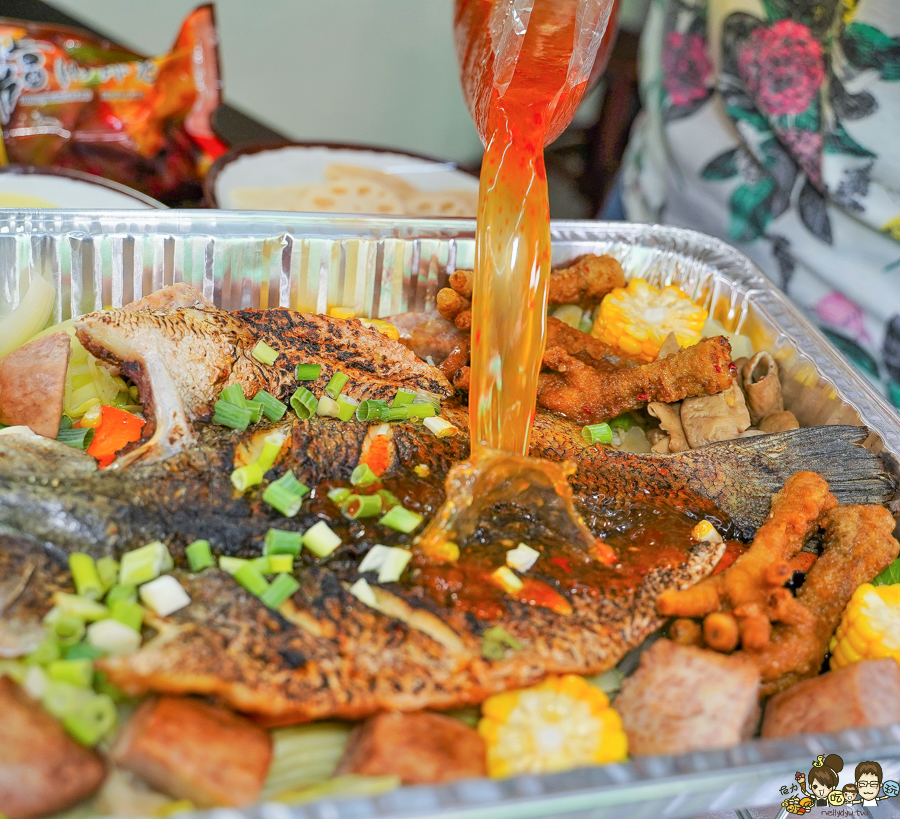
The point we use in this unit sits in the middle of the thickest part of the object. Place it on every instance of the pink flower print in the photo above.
(686, 67)
(837, 310)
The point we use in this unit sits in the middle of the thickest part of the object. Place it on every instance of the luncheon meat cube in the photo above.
(419, 748)
(684, 698)
(42, 769)
(33, 384)
(191, 750)
(865, 694)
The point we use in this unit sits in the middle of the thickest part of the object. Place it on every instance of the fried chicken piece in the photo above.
(858, 545)
(580, 392)
(586, 281)
(586, 348)
(747, 585)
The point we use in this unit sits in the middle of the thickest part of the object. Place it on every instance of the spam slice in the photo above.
(863, 695)
(33, 384)
(191, 750)
(683, 698)
(42, 769)
(419, 748)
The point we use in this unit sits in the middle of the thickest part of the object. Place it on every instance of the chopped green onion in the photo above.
(393, 565)
(597, 434)
(63, 698)
(320, 540)
(272, 408)
(165, 595)
(66, 629)
(234, 395)
(362, 591)
(374, 558)
(522, 558)
(271, 449)
(388, 498)
(308, 372)
(425, 397)
(264, 354)
(93, 720)
(129, 613)
(108, 570)
(246, 476)
(393, 413)
(363, 475)
(496, 641)
(339, 494)
(507, 579)
(328, 407)
(282, 587)
(228, 415)
(401, 519)
(120, 592)
(440, 427)
(346, 407)
(420, 410)
(336, 384)
(73, 605)
(251, 579)
(586, 325)
(304, 403)
(256, 412)
(368, 409)
(402, 398)
(113, 637)
(286, 494)
(623, 421)
(82, 651)
(144, 564)
(361, 506)
(85, 576)
(78, 437)
(282, 542)
(261, 564)
(279, 564)
(230, 565)
(199, 555)
(45, 653)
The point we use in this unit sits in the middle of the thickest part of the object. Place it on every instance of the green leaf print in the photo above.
(857, 355)
(810, 119)
(750, 211)
(867, 47)
(840, 142)
(893, 391)
(723, 166)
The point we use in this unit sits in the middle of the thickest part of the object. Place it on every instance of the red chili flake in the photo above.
(643, 396)
(733, 367)
(562, 563)
(717, 368)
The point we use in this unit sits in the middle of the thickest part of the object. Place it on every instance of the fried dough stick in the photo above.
(747, 586)
(580, 392)
(585, 282)
(858, 545)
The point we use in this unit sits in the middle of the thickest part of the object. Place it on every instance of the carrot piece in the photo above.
(377, 456)
(117, 429)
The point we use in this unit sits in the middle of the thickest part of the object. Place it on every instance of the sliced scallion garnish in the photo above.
(281, 589)
(304, 403)
(74, 605)
(401, 519)
(361, 506)
(230, 565)
(308, 372)
(85, 576)
(286, 494)
(129, 613)
(423, 410)
(246, 476)
(278, 564)
(320, 539)
(234, 395)
(393, 413)
(199, 555)
(336, 384)
(80, 437)
(368, 409)
(425, 397)
(227, 414)
(393, 565)
(339, 494)
(328, 407)
(251, 579)
(113, 637)
(144, 564)
(121, 592)
(388, 498)
(66, 629)
(597, 434)
(165, 595)
(256, 412)
(108, 570)
(346, 407)
(440, 427)
(363, 475)
(264, 354)
(272, 408)
(92, 720)
(75, 672)
(402, 398)
(282, 542)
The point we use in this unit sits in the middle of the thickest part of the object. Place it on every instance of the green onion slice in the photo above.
(388, 498)
(264, 354)
(279, 564)
(84, 574)
(144, 564)
(286, 494)
(402, 398)
(121, 592)
(80, 437)
(304, 403)
(246, 476)
(282, 542)
(66, 629)
(199, 555)
(256, 412)
(74, 605)
(339, 494)
(251, 579)
(336, 384)
(328, 407)
(346, 407)
(308, 372)
(128, 613)
(425, 397)
(420, 410)
(361, 506)
(363, 475)
(401, 520)
(92, 720)
(228, 415)
(281, 589)
(393, 413)
(597, 434)
(108, 569)
(230, 565)
(75, 672)
(368, 409)
(321, 540)
(234, 395)
(272, 408)
(623, 421)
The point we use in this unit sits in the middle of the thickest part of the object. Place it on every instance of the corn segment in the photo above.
(637, 319)
(869, 628)
(562, 723)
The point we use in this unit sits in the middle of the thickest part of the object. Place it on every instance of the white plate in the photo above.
(300, 165)
(24, 187)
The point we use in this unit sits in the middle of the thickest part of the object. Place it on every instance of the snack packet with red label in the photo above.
(73, 100)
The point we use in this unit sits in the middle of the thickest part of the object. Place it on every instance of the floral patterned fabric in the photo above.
(775, 124)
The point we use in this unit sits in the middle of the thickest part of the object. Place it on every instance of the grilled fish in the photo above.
(325, 653)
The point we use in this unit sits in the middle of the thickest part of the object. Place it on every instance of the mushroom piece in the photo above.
(761, 384)
(711, 418)
(670, 420)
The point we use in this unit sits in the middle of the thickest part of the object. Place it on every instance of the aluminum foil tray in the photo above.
(386, 266)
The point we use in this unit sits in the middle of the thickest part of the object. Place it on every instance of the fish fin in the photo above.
(740, 476)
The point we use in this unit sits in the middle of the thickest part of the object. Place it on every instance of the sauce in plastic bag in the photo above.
(72, 100)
